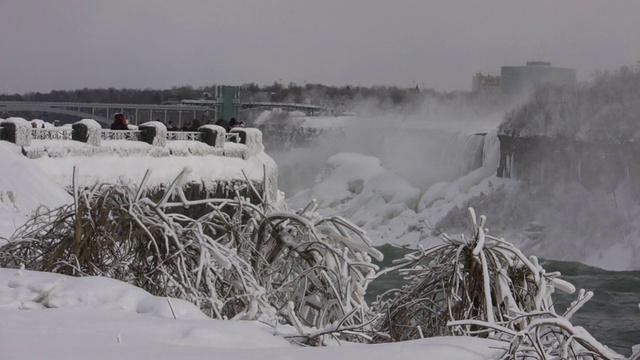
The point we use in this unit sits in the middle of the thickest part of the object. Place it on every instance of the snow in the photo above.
(126, 148)
(56, 159)
(23, 187)
(54, 316)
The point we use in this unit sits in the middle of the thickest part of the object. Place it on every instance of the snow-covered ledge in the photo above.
(88, 131)
(154, 133)
(250, 137)
(213, 135)
(16, 130)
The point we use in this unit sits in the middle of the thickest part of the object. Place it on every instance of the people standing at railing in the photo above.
(222, 122)
(233, 123)
(195, 125)
(170, 126)
(119, 122)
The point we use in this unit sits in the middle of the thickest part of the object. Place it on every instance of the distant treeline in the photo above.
(335, 100)
(316, 94)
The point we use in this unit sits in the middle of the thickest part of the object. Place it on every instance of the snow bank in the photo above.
(23, 187)
(30, 290)
(110, 169)
(54, 316)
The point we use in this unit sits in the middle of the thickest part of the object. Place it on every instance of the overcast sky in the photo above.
(69, 44)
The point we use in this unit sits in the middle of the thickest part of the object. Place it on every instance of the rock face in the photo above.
(544, 160)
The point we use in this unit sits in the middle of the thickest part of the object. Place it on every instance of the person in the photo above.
(119, 122)
(222, 122)
(242, 124)
(195, 125)
(233, 123)
(170, 126)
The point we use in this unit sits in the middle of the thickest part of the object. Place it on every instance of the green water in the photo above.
(612, 316)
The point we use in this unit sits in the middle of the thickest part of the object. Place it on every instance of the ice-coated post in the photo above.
(16, 130)
(154, 133)
(250, 137)
(213, 135)
(88, 131)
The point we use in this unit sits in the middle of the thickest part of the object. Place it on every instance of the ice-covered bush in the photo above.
(236, 260)
(482, 285)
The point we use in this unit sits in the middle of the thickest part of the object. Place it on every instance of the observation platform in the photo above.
(214, 155)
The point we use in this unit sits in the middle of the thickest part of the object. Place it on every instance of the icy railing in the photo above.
(184, 135)
(121, 135)
(233, 137)
(56, 133)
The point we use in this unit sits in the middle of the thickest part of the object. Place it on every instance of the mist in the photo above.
(442, 156)
(424, 145)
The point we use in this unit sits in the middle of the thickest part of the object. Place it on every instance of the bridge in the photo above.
(139, 113)
(102, 112)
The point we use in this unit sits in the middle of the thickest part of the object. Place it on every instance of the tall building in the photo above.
(519, 80)
(485, 83)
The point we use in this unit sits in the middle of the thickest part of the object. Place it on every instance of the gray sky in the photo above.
(69, 44)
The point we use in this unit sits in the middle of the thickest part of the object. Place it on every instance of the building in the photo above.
(486, 84)
(520, 80)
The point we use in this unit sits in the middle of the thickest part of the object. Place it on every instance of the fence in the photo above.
(21, 133)
(51, 133)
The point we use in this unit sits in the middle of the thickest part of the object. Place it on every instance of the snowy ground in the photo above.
(51, 316)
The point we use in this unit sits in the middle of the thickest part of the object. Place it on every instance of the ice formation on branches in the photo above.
(235, 259)
(484, 286)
